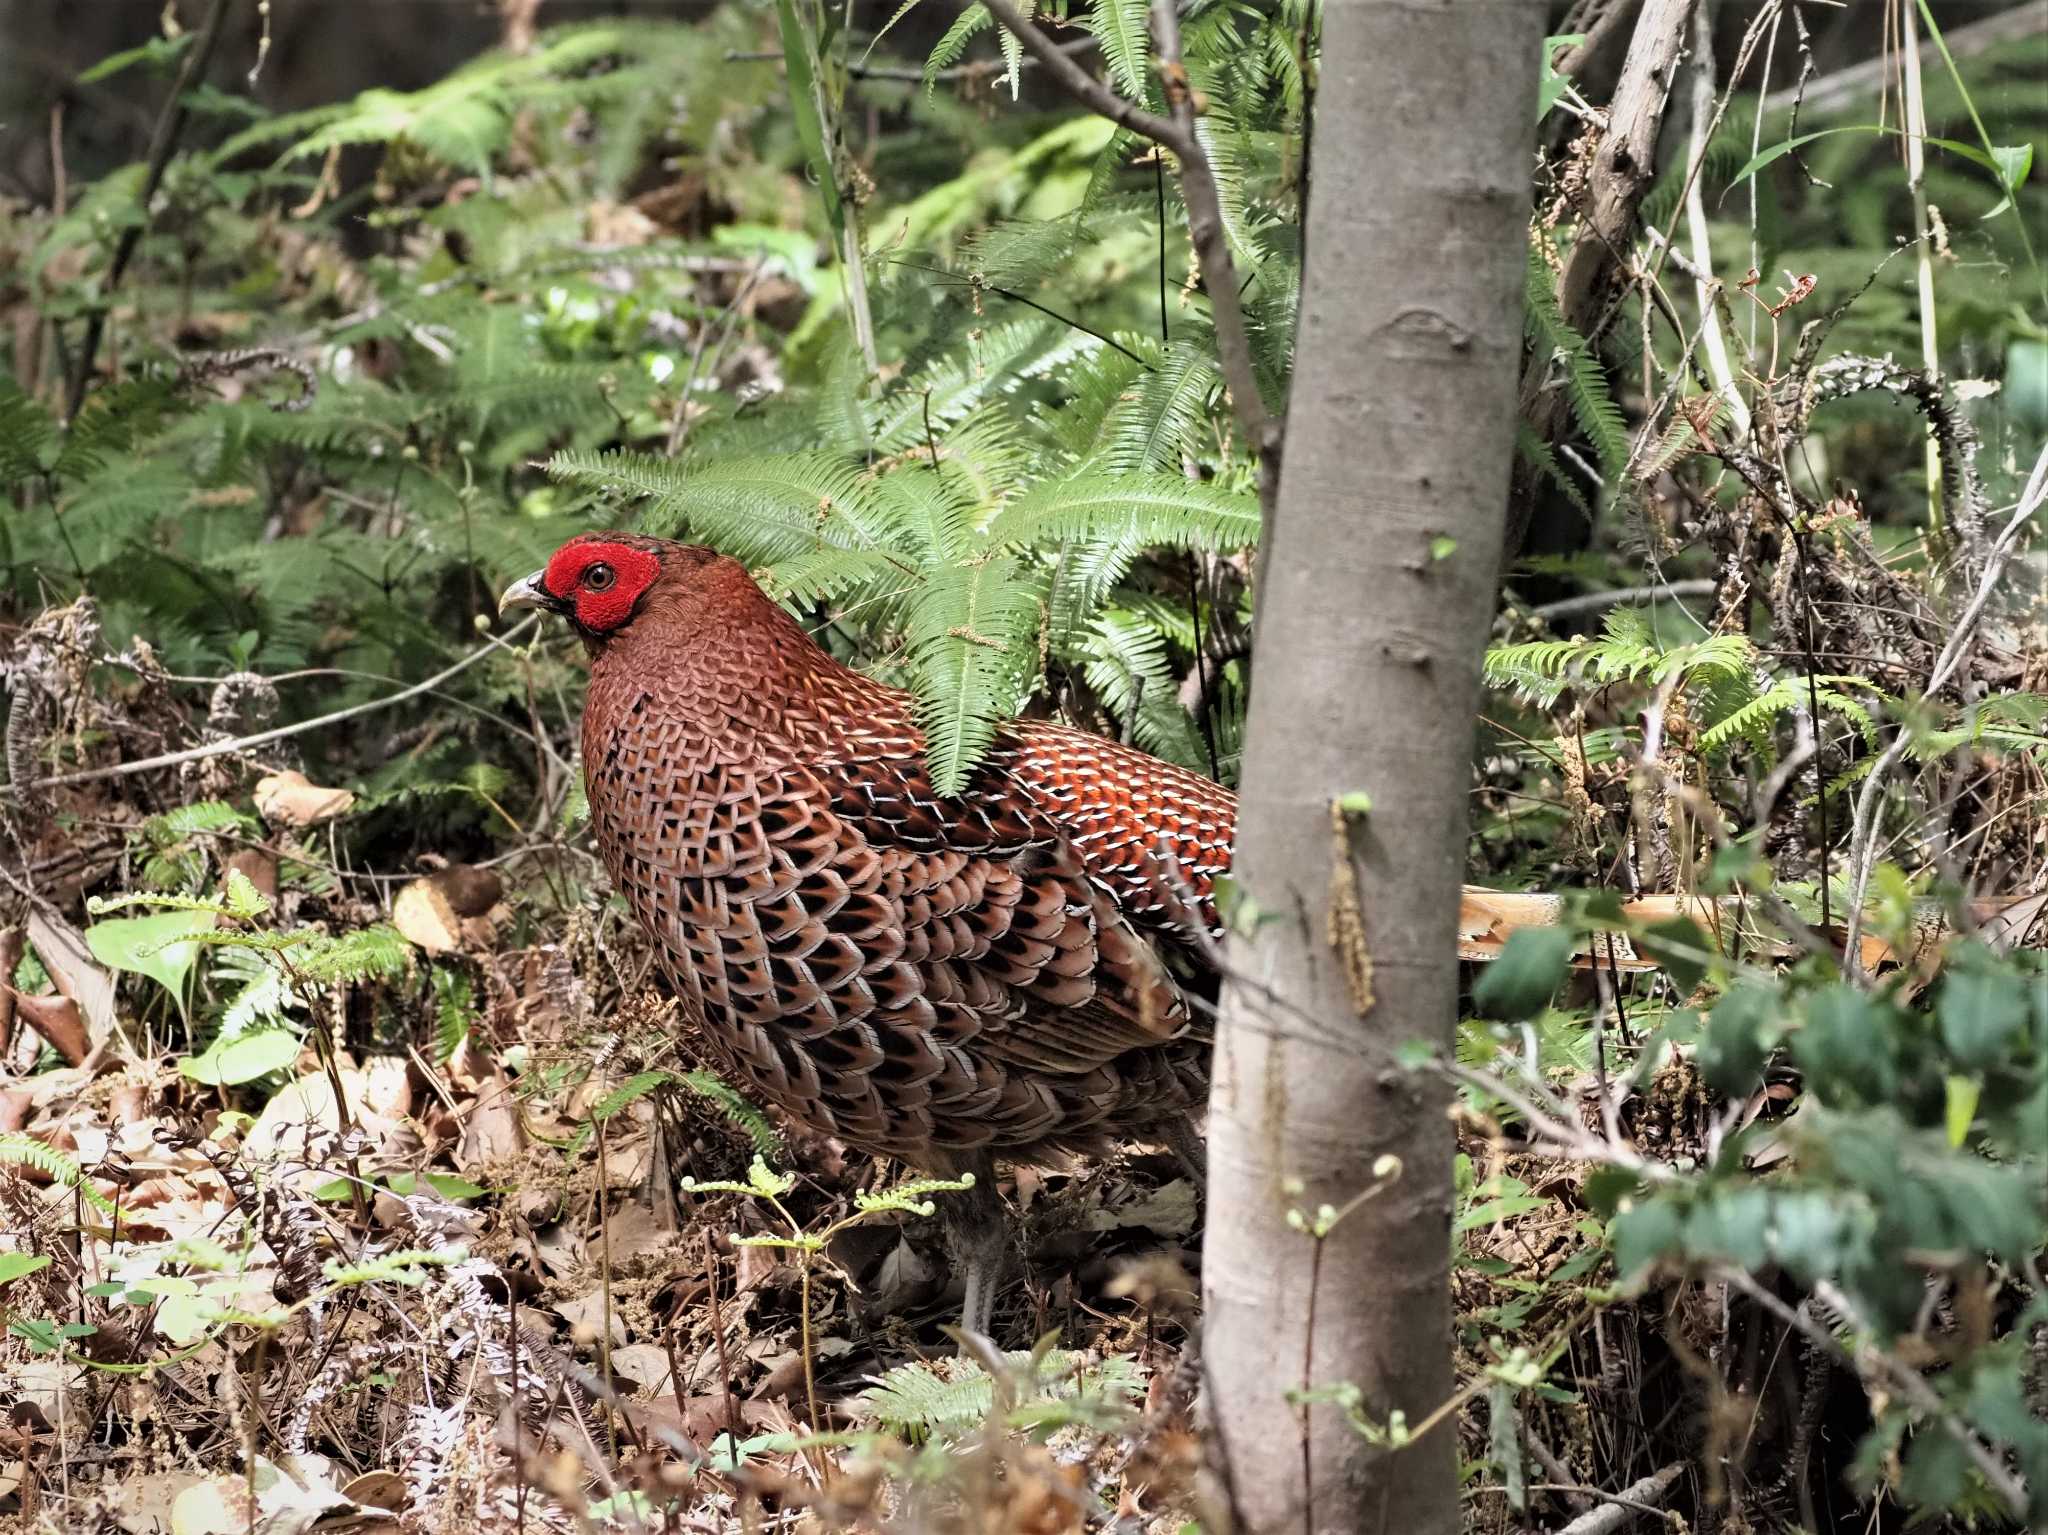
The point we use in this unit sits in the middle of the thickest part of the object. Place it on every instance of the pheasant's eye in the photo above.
(599, 578)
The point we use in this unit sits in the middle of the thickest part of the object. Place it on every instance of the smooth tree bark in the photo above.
(1376, 589)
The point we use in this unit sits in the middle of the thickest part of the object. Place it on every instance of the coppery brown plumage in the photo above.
(935, 979)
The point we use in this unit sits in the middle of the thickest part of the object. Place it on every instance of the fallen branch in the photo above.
(1621, 1507)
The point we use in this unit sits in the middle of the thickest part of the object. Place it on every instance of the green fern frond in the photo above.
(629, 1092)
(947, 51)
(1168, 419)
(113, 421)
(972, 649)
(714, 1089)
(1125, 660)
(911, 1198)
(1120, 26)
(25, 431)
(1542, 669)
(1538, 452)
(916, 1401)
(195, 819)
(1592, 401)
(760, 509)
(454, 1009)
(1684, 437)
(1150, 507)
(1753, 720)
(27, 1151)
(368, 953)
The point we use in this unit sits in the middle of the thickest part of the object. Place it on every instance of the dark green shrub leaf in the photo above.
(14, 1266)
(1848, 1041)
(1606, 1187)
(1731, 1226)
(1936, 1469)
(1681, 947)
(1642, 1235)
(1522, 981)
(1981, 1008)
(1741, 1032)
(1810, 1233)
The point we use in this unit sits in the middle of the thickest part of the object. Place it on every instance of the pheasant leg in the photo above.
(1190, 1148)
(978, 1238)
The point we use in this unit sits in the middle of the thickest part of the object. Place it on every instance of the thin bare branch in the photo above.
(1864, 826)
(1198, 187)
(282, 732)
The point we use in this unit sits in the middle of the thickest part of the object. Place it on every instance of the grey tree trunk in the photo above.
(1376, 588)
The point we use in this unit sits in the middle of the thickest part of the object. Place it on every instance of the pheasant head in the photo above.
(612, 585)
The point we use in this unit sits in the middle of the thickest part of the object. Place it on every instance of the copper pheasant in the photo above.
(942, 979)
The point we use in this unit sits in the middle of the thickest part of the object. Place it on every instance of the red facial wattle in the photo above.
(599, 612)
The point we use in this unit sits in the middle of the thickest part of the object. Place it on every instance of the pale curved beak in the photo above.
(527, 592)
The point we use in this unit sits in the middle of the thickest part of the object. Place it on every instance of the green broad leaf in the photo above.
(1521, 982)
(1732, 1226)
(1576, 1267)
(165, 1284)
(1959, 1108)
(1606, 1187)
(39, 1335)
(155, 946)
(1980, 1009)
(1736, 865)
(1357, 802)
(1810, 1231)
(1848, 1046)
(1414, 1054)
(1487, 1212)
(1936, 1469)
(15, 1266)
(2012, 162)
(1742, 1030)
(1681, 947)
(334, 1192)
(1550, 91)
(447, 1185)
(230, 1062)
(184, 1319)
(1642, 1235)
